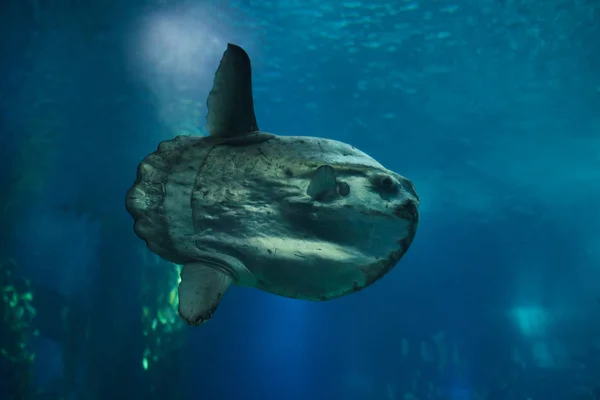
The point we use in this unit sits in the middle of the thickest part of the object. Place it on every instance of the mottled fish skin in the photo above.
(301, 217)
(248, 199)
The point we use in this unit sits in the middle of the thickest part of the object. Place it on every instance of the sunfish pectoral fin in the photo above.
(323, 184)
(200, 291)
(230, 103)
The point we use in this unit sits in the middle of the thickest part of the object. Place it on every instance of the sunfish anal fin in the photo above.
(200, 291)
(323, 184)
(230, 104)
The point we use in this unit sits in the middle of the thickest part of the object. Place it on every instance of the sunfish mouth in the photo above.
(407, 211)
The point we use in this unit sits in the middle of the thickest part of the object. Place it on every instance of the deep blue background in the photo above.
(492, 108)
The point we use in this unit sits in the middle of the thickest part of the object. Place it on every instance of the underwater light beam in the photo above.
(179, 46)
(175, 52)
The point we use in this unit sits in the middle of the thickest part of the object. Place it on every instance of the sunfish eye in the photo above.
(343, 189)
(385, 182)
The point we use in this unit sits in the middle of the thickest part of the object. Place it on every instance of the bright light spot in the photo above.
(175, 53)
(178, 47)
(531, 321)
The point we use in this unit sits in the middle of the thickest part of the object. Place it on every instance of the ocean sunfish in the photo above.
(301, 217)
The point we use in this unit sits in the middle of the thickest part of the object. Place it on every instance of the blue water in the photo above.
(491, 108)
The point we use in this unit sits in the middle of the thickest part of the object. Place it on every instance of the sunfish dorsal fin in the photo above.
(230, 103)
